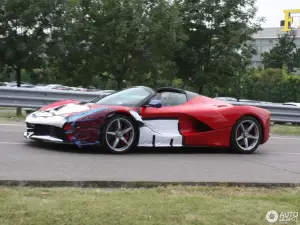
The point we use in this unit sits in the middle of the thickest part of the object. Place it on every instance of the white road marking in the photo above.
(274, 153)
(12, 143)
(13, 125)
(285, 153)
(285, 138)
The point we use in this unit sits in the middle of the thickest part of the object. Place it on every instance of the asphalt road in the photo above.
(278, 161)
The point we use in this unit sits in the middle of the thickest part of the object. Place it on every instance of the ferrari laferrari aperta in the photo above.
(141, 116)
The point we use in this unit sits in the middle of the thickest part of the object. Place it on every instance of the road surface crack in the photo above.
(274, 167)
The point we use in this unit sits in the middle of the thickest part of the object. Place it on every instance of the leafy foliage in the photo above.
(24, 32)
(204, 46)
(219, 33)
(284, 53)
(274, 85)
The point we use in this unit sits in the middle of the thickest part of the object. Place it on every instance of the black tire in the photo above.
(236, 146)
(105, 144)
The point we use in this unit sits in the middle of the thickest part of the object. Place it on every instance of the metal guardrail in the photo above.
(36, 98)
(279, 113)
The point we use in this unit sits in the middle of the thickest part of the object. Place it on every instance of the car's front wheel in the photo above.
(119, 134)
(246, 135)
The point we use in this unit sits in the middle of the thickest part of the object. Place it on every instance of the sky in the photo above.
(272, 10)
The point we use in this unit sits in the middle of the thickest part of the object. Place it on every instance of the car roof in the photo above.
(190, 95)
(170, 89)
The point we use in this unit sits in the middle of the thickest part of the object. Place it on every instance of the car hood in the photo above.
(58, 113)
(65, 110)
(71, 107)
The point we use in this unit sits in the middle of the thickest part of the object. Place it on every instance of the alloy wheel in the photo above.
(247, 135)
(119, 134)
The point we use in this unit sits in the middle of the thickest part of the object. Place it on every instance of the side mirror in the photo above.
(155, 103)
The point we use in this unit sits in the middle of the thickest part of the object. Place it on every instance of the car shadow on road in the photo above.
(136, 151)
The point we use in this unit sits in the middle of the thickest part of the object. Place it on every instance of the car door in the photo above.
(171, 104)
(162, 124)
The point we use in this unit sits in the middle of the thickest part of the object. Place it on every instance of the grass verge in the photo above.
(285, 129)
(165, 206)
(10, 114)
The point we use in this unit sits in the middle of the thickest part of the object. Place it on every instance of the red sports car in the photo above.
(141, 116)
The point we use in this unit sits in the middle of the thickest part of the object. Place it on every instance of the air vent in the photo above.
(201, 127)
(221, 106)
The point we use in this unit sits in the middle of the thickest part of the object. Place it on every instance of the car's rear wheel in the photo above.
(119, 134)
(246, 135)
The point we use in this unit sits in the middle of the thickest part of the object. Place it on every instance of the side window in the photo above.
(171, 98)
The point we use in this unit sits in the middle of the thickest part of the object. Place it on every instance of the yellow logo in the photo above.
(288, 19)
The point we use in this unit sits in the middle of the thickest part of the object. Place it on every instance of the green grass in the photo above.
(285, 129)
(161, 206)
(11, 115)
(7, 113)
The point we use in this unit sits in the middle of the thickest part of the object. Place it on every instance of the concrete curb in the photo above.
(136, 184)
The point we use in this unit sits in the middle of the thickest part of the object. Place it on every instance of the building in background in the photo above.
(266, 39)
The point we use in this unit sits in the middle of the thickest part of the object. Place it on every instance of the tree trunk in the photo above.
(155, 83)
(119, 84)
(18, 73)
(238, 87)
(201, 88)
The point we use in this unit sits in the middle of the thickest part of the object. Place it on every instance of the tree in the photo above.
(165, 36)
(25, 26)
(140, 41)
(24, 30)
(241, 72)
(70, 48)
(125, 40)
(218, 30)
(295, 64)
(284, 53)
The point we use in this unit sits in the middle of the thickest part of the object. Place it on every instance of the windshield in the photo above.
(130, 97)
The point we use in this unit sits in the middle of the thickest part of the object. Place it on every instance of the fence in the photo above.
(279, 113)
(36, 98)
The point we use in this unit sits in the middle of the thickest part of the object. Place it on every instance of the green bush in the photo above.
(273, 85)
